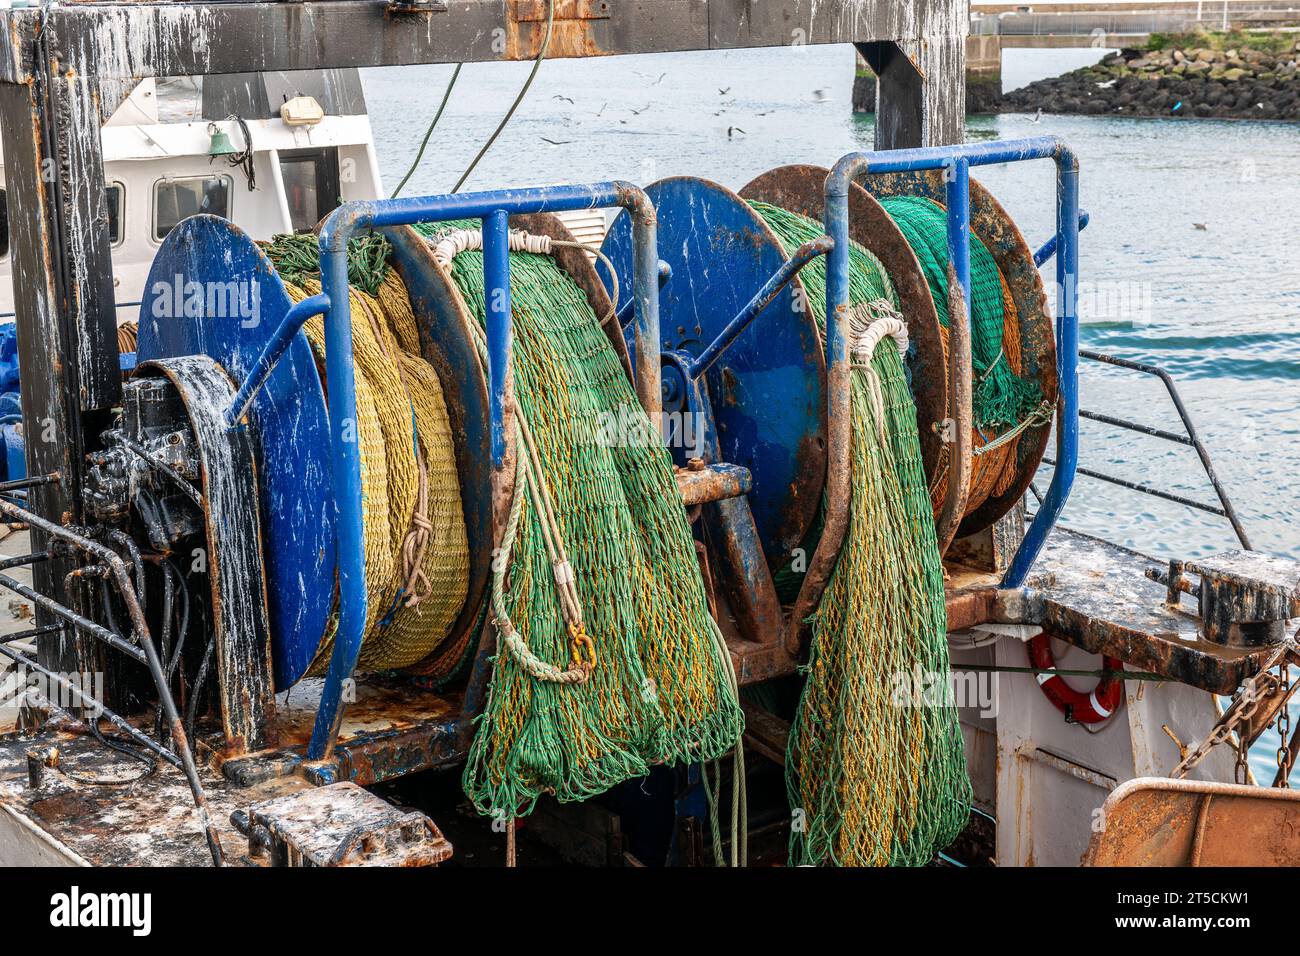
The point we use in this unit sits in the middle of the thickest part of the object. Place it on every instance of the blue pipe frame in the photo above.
(955, 162)
(494, 209)
(761, 299)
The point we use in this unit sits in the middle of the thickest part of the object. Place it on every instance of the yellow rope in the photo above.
(417, 555)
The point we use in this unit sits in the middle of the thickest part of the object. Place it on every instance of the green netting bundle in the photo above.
(1001, 398)
(876, 775)
(297, 258)
(660, 691)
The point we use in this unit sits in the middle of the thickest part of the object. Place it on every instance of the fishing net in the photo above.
(875, 769)
(595, 488)
(1004, 403)
(417, 554)
(1001, 397)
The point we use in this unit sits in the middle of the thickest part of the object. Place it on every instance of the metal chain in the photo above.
(1239, 714)
(1240, 768)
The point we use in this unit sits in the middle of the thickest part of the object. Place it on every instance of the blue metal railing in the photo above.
(956, 162)
(494, 209)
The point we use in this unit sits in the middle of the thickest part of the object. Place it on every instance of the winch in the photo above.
(1244, 598)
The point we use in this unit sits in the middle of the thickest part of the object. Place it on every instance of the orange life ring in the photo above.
(1078, 707)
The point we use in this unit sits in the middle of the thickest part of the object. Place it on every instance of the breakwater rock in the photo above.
(1236, 83)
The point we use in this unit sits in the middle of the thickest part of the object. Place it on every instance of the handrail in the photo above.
(494, 208)
(956, 162)
(1192, 439)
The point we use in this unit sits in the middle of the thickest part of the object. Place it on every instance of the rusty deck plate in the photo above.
(149, 823)
(344, 825)
(394, 727)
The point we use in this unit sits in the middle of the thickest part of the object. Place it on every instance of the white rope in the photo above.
(449, 245)
(869, 323)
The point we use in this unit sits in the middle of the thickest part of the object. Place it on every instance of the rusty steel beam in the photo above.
(712, 483)
(63, 310)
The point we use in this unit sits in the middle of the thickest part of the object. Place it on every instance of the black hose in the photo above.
(111, 743)
(183, 625)
(192, 708)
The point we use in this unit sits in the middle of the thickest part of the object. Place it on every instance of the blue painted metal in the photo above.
(8, 358)
(14, 445)
(206, 256)
(496, 278)
(768, 394)
(492, 207)
(624, 314)
(1048, 249)
(760, 301)
(293, 320)
(1067, 357)
(957, 196)
(956, 158)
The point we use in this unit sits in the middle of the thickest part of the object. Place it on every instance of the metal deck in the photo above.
(1086, 591)
(1097, 596)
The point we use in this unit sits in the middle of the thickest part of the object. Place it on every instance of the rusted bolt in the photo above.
(695, 464)
(37, 762)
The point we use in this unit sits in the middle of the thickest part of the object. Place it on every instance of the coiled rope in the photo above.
(655, 685)
(872, 779)
(417, 554)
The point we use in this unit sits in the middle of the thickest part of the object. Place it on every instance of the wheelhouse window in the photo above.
(177, 199)
(311, 185)
(116, 196)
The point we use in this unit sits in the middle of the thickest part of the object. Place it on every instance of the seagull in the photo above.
(602, 107)
(555, 142)
(641, 110)
(660, 80)
(1201, 226)
(1038, 117)
(733, 130)
(722, 92)
(819, 96)
(558, 96)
